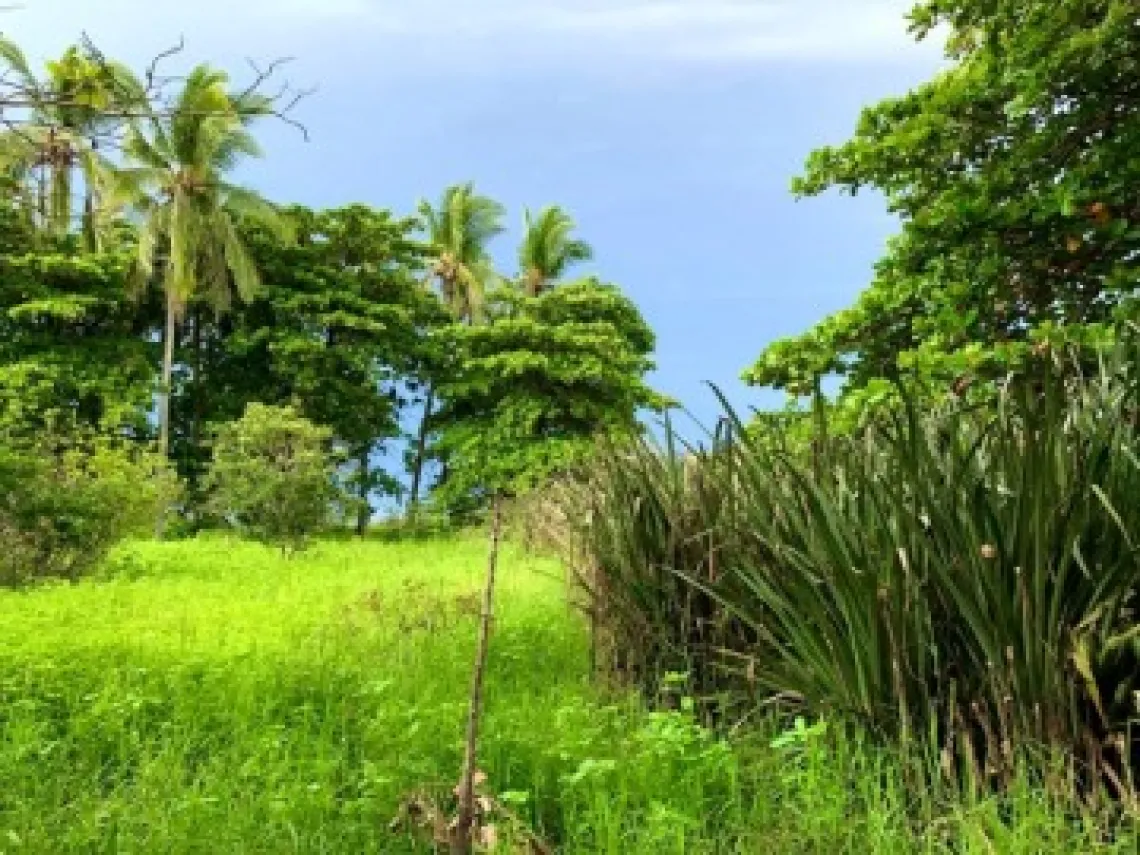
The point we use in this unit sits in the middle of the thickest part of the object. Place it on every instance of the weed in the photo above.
(216, 699)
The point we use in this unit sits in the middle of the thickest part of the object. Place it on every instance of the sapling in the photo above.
(461, 837)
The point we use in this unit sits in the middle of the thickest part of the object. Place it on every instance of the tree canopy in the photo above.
(182, 300)
(527, 394)
(1013, 174)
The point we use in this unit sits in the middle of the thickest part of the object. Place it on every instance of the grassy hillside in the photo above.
(211, 696)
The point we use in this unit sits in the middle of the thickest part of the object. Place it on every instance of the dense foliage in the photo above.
(1014, 176)
(943, 557)
(72, 346)
(527, 393)
(339, 330)
(65, 500)
(179, 298)
(962, 579)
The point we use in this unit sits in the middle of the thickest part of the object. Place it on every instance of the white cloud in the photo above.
(730, 30)
(665, 30)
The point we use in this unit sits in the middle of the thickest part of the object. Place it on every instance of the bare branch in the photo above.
(152, 69)
(282, 114)
(283, 102)
(262, 75)
(30, 103)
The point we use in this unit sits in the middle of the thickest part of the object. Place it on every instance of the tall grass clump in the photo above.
(643, 536)
(959, 579)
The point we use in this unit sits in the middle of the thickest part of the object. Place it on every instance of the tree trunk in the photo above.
(42, 200)
(461, 834)
(90, 239)
(364, 514)
(167, 378)
(199, 387)
(421, 451)
(164, 400)
(90, 230)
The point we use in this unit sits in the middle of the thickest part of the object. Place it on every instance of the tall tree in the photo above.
(526, 394)
(176, 181)
(459, 230)
(69, 114)
(341, 327)
(1014, 174)
(548, 249)
(74, 355)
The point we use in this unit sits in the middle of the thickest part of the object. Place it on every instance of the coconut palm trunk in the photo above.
(90, 228)
(89, 238)
(42, 197)
(167, 377)
(164, 400)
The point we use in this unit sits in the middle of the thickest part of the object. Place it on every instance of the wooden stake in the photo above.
(461, 833)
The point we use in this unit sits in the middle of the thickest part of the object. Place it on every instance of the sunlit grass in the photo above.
(213, 696)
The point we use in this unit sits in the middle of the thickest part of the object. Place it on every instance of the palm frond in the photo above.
(19, 148)
(230, 146)
(243, 269)
(473, 280)
(151, 152)
(245, 204)
(251, 105)
(123, 85)
(175, 180)
(547, 250)
(203, 112)
(459, 230)
(136, 187)
(149, 236)
(12, 56)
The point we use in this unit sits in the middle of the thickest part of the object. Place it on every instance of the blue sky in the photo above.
(669, 128)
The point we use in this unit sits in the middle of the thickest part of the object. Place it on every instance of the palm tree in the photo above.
(70, 109)
(459, 230)
(175, 181)
(548, 249)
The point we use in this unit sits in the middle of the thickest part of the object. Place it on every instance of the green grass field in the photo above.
(212, 696)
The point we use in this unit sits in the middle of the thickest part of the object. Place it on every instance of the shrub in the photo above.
(273, 476)
(964, 579)
(65, 501)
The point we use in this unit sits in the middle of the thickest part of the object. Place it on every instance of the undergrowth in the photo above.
(212, 696)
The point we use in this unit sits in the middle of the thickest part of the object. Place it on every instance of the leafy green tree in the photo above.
(528, 393)
(1014, 175)
(73, 348)
(69, 116)
(273, 476)
(548, 250)
(176, 181)
(459, 230)
(340, 330)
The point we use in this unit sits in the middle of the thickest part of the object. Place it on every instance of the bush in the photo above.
(65, 501)
(273, 477)
(963, 579)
